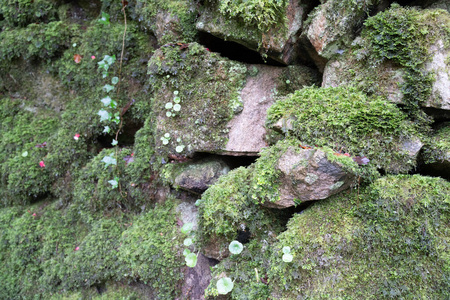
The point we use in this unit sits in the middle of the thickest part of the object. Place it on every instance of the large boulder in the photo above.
(206, 103)
(411, 68)
(273, 29)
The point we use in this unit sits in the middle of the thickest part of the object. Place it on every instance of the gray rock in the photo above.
(307, 175)
(197, 176)
(197, 279)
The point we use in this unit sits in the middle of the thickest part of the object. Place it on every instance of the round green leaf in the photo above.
(177, 107)
(168, 105)
(175, 93)
(177, 99)
(25, 154)
(186, 252)
(168, 114)
(287, 257)
(114, 80)
(286, 249)
(187, 242)
(235, 247)
(191, 260)
(187, 227)
(179, 149)
(225, 285)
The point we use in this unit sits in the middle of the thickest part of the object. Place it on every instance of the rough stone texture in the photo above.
(331, 28)
(247, 131)
(358, 67)
(197, 176)
(280, 43)
(188, 213)
(166, 26)
(223, 103)
(308, 175)
(197, 279)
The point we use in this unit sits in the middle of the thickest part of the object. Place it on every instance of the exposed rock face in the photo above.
(280, 42)
(197, 176)
(308, 175)
(197, 279)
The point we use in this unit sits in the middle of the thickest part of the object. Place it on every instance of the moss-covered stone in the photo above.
(390, 240)
(195, 92)
(345, 119)
(400, 55)
(23, 12)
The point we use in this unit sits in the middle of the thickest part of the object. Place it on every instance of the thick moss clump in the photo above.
(227, 208)
(438, 149)
(48, 251)
(22, 137)
(392, 240)
(196, 93)
(22, 12)
(345, 119)
(35, 41)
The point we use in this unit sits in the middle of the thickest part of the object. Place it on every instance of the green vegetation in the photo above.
(438, 148)
(208, 88)
(23, 12)
(345, 119)
(396, 231)
(262, 14)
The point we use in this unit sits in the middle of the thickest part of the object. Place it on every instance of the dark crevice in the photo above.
(286, 214)
(234, 51)
(232, 161)
(125, 138)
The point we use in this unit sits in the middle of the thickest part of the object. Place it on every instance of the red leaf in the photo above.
(77, 58)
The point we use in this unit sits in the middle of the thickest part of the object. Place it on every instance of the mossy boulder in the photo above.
(377, 244)
(272, 27)
(286, 174)
(402, 54)
(345, 119)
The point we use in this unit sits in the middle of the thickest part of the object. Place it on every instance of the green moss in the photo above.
(391, 240)
(22, 131)
(438, 149)
(262, 14)
(206, 85)
(347, 120)
(42, 41)
(23, 12)
(151, 247)
(226, 208)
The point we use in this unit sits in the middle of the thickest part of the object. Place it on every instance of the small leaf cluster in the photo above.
(189, 257)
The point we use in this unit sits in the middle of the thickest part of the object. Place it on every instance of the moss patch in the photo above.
(391, 240)
(347, 120)
(205, 86)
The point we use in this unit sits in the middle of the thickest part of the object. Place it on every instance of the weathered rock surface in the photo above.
(332, 27)
(308, 175)
(197, 279)
(197, 176)
(279, 43)
(223, 103)
(385, 77)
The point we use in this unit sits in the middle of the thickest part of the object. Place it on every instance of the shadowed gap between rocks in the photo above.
(234, 51)
(125, 138)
